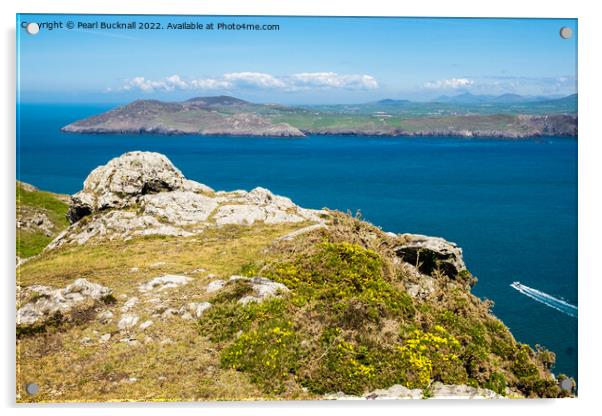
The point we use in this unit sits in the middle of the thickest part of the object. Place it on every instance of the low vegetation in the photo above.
(349, 325)
(346, 324)
(42, 216)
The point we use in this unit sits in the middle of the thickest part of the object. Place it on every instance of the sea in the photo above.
(510, 204)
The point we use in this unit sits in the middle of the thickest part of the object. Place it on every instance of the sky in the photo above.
(308, 60)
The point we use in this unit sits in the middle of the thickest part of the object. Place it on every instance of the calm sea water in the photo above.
(511, 205)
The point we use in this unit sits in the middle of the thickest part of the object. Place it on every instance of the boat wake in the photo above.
(548, 300)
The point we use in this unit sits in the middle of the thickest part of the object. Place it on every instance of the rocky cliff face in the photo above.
(162, 288)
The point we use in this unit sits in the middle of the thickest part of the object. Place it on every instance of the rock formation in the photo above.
(431, 253)
(48, 304)
(437, 391)
(142, 193)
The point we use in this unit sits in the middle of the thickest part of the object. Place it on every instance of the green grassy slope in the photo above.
(32, 202)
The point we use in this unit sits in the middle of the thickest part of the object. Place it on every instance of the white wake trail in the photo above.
(548, 300)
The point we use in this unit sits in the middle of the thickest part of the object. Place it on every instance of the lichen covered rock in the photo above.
(164, 282)
(437, 391)
(262, 288)
(123, 178)
(55, 304)
(143, 193)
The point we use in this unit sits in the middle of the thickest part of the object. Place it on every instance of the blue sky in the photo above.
(307, 61)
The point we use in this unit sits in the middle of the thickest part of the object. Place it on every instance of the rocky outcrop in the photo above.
(437, 391)
(48, 304)
(164, 282)
(428, 254)
(111, 225)
(194, 310)
(40, 217)
(27, 186)
(143, 193)
(461, 391)
(260, 205)
(35, 221)
(128, 322)
(125, 178)
(262, 288)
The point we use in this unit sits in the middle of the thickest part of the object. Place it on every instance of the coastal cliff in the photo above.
(161, 288)
(229, 116)
(196, 116)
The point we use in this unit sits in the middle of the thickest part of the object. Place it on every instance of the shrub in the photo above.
(523, 367)
(342, 296)
(431, 355)
(269, 354)
(233, 291)
(545, 356)
(343, 365)
(222, 321)
(497, 383)
(530, 382)
(343, 271)
(249, 269)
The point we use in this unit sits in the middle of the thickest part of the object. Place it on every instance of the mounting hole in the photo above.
(566, 384)
(566, 32)
(32, 28)
(32, 388)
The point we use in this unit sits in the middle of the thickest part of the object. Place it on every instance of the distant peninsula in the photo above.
(466, 115)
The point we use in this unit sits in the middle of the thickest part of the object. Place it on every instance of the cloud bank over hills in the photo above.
(253, 80)
(300, 84)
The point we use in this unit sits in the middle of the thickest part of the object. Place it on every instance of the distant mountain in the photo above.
(392, 102)
(569, 99)
(217, 100)
(508, 98)
(464, 98)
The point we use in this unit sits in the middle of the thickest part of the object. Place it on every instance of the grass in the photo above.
(412, 123)
(171, 361)
(223, 251)
(31, 242)
(309, 121)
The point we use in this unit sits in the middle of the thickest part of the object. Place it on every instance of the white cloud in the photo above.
(495, 85)
(334, 80)
(176, 82)
(167, 84)
(255, 80)
(209, 84)
(452, 83)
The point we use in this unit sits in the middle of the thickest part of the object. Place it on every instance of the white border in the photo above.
(590, 207)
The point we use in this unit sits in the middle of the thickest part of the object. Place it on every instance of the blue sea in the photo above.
(511, 205)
